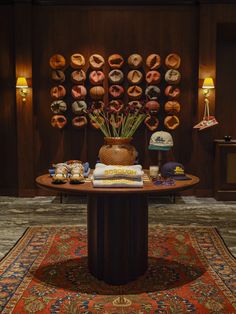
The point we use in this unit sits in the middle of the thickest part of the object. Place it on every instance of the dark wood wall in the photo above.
(189, 30)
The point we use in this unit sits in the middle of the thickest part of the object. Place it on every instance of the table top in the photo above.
(45, 182)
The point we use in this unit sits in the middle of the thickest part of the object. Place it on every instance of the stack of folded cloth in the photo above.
(117, 176)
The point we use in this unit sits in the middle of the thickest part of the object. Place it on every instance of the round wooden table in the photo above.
(117, 225)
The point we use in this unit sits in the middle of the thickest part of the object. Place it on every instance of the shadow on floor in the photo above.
(73, 275)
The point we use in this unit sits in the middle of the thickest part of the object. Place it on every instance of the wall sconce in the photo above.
(23, 85)
(207, 85)
(207, 120)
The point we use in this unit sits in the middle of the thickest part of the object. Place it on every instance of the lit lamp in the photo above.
(207, 85)
(23, 85)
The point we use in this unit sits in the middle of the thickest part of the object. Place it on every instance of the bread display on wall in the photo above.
(150, 83)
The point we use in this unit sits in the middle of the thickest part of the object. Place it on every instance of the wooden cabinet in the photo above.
(225, 170)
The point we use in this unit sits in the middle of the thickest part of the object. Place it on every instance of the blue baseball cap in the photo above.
(174, 170)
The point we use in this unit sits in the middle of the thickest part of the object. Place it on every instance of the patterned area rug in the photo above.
(190, 271)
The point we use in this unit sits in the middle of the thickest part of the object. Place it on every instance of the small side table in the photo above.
(225, 170)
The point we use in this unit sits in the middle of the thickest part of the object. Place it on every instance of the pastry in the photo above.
(135, 105)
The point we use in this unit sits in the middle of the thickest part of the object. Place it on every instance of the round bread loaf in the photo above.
(79, 121)
(172, 76)
(96, 77)
(97, 92)
(78, 76)
(58, 106)
(116, 76)
(78, 92)
(58, 121)
(58, 75)
(153, 77)
(79, 107)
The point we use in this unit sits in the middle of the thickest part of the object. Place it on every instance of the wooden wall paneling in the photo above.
(210, 17)
(8, 156)
(25, 123)
(225, 84)
(106, 30)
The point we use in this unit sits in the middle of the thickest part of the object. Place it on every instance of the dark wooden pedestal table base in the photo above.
(117, 237)
(117, 225)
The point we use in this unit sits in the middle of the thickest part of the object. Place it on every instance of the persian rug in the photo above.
(190, 271)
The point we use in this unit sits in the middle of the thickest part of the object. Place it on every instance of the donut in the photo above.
(78, 91)
(115, 61)
(58, 75)
(151, 122)
(58, 106)
(172, 76)
(134, 92)
(96, 77)
(153, 61)
(58, 121)
(78, 76)
(79, 121)
(79, 107)
(152, 106)
(58, 92)
(96, 61)
(172, 107)
(172, 61)
(116, 91)
(135, 76)
(77, 61)
(116, 106)
(172, 91)
(57, 62)
(97, 92)
(116, 76)
(97, 123)
(135, 61)
(97, 106)
(152, 92)
(171, 122)
(153, 77)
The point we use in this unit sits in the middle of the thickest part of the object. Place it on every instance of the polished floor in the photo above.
(19, 213)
